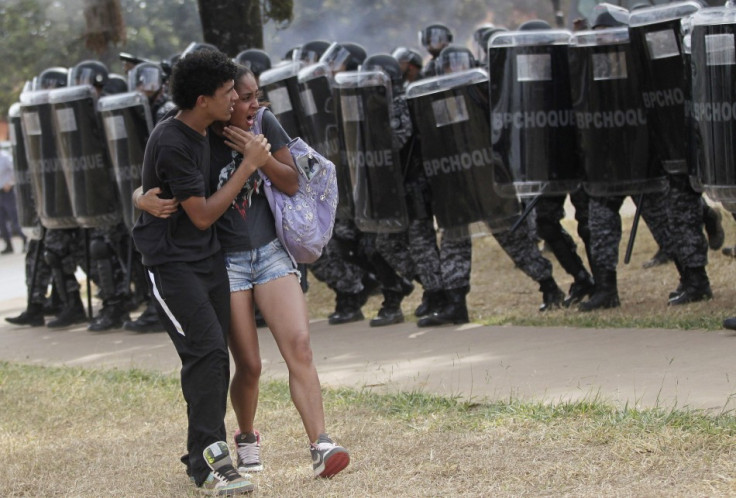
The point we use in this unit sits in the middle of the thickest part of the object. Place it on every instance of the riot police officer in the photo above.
(255, 59)
(434, 38)
(107, 243)
(410, 63)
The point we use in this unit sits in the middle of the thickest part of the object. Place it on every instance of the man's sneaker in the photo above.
(328, 458)
(249, 451)
(224, 479)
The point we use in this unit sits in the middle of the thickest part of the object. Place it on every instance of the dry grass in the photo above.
(502, 295)
(71, 432)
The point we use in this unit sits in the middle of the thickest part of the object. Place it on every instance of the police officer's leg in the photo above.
(63, 266)
(426, 257)
(5, 222)
(605, 237)
(109, 274)
(396, 278)
(654, 213)
(38, 275)
(550, 210)
(455, 263)
(690, 248)
(524, 252)
(345, 279)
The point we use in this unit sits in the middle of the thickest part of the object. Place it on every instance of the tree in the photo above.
(37, 34)
(236, 25)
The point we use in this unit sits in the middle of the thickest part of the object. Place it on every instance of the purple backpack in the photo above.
(304, 221)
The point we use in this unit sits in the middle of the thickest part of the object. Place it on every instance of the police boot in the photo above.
(713, 227)
(696, 287)
(730, 323)
(111, 316)
(454, 311)
(431, 301)
(605, 294)
(581, 287)
(680, 284)
(148, 321)
(71, 314)
(347, 309)
(390, 311)
(32, 316)
(552, 295)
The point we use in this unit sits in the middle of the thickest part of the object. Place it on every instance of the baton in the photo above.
(634, 226)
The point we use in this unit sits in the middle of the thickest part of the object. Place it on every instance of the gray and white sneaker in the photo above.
(248, 447)
(224, 479)
(327, 457)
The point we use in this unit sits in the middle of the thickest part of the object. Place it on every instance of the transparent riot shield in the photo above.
(452, 117)
(320, 128)
(613, 133)
(532, 119)
(280, 87)
(24, 200)
(656, 47)
(84, 159)
(714, 100)
(127, 123)
(48, 182)
(373, 160)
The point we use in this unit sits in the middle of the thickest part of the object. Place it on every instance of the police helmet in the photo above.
(52, 77)
(146, 77)
(310, 52)
(116, 83)
(344, 56)
(255, 59)
(481, 43)
(606, 15)
(404, 54)
(455, 58)
(534, 25)
(435, 37)
(386, 63)
(478, 33)
(89, 72)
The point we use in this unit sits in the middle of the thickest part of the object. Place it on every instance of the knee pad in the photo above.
(52, 259)
(99, 249)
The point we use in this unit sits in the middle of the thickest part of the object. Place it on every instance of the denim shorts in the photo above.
(258, 266)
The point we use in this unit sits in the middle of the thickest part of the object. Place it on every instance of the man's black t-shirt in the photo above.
(177, 160)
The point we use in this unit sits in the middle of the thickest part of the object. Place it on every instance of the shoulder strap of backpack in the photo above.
(258, 122)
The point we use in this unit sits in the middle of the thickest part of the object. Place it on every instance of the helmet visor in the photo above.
(146, 79)
(454, 62)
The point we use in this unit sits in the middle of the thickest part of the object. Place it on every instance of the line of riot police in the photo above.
(474, 144)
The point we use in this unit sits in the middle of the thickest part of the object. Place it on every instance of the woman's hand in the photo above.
(151, 203)
(254, 148)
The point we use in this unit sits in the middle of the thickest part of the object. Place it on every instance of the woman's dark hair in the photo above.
(200, 73)
(246, 71)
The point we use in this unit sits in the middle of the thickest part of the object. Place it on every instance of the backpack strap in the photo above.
(257, 128)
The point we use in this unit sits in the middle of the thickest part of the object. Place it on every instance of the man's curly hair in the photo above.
(199, 73)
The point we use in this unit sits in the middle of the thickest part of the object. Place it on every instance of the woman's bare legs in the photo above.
(247, 357)
(284, 308)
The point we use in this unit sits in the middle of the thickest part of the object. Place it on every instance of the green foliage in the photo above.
(37, 34)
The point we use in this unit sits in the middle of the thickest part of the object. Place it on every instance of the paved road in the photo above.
(638, 367)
